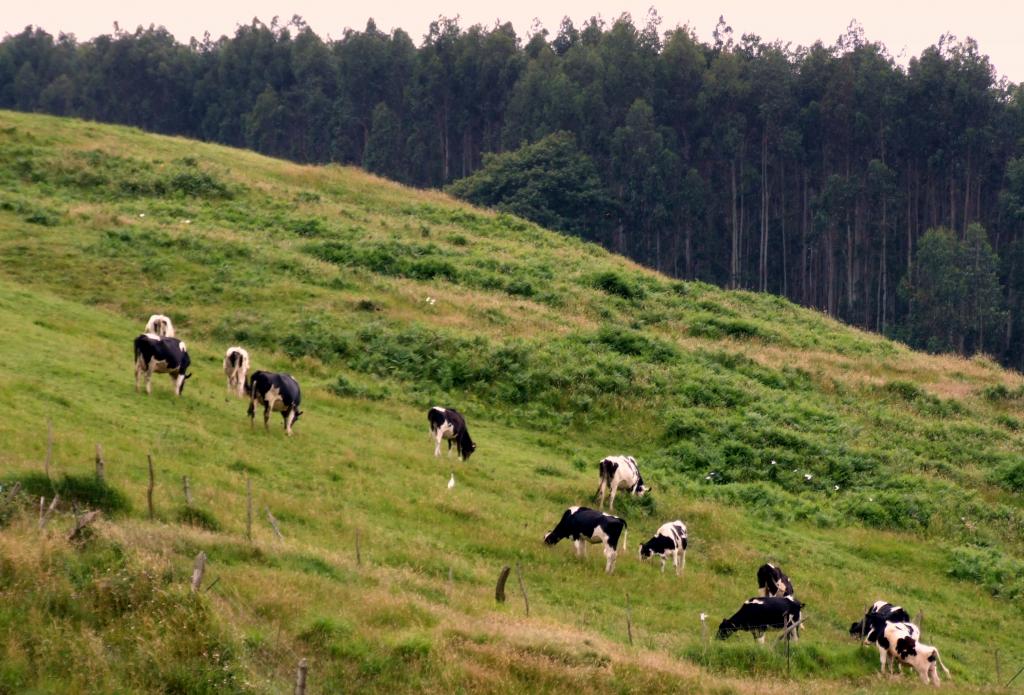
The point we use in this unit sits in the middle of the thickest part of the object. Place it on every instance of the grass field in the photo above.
(558, 352)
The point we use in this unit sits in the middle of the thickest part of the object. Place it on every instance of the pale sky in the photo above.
(906, 28)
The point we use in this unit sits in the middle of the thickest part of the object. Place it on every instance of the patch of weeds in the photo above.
(197, 517)
(83, 491)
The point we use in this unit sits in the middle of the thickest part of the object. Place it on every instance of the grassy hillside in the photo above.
(558, 353)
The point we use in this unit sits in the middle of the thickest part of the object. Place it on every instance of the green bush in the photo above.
(198, 517)
(82, 491)
(614, 283)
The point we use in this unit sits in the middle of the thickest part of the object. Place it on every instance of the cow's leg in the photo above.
(682, 564)
(138, 373)
(663, 564)
(149, 381)
(603, 491)
(576, 545)
(266, 417)
(252, 413)
(437, 441)
(289, 419)
(610, 554)
(611, 505)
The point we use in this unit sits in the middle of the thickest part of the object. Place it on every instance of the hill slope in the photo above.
(558, 352)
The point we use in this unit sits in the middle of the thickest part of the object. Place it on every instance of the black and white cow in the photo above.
(162, 356)
(446, 423)
(616, 472)
(921, 657)
(669, 540)
(236, 368)
(277, 392)
(891, 635)
(772, 581)
(872, 625)
(160, 325)
(584, 524)
(759, 614)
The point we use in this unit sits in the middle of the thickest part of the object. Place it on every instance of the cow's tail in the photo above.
(938, 658)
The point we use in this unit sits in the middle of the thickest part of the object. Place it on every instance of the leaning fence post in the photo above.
(45, 517)
(359, 556)
(920, 619)
(198, 570)
(300, 677)
(499, 590)
(273, 522)
(83, 521)
(149, 490)
(188, 493)
(522, 587)
(101, 477)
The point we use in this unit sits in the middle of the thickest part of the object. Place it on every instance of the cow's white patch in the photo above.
(573, 510)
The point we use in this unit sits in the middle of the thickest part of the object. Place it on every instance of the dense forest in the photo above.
(889, 196)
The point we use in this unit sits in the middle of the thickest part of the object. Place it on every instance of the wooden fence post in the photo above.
(919, 620)
(101, 477)
(188, 493)
(300, 677)
(359, 556)
(198, 570)
(499, 590)
(273, 522)
(248, 507)
(522, 587)
(629, 621)
(149, 491)
(45, 517)
(82, 521)
(999, 676)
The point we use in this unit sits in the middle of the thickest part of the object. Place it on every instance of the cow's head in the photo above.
(645, 551)
(298, 414)
(549, 538)
(858, 629)
(725, 629)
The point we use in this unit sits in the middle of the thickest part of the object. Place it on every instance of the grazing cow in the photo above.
(772, 581)
(277, 392)
(921, 657)
(163, 356)
(873, 623)
(669, 540)
(583, 523)
(616, 472)
(160, 325)
(446, 423)
(760, 613)
(236, 368)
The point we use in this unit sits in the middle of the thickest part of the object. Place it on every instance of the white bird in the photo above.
(774, 463)
(142, 214)
(807, 477)
(703, 617)
(837, 488)
(451, 482)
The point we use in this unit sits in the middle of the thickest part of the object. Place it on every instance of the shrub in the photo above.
(611, 282)
(81, 490)
(198, 517)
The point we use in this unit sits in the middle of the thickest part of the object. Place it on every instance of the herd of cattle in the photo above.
(887, 626)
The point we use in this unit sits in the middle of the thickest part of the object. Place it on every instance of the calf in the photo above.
(921, 657)
(888, 637)
(163, 356)
(446, 423)
(160, 325)
(758, 614)
(278, 392)
(236, 368)
(619, 471)
(583, 523)
(669, 540)
(772, 581)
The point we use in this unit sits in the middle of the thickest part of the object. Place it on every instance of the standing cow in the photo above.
(585, 524)
(616, 472)
(447, 423)
(772, 581)
(154, 354)
(669, 540)
(160, 325)
(236, 368)
(277, 392)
